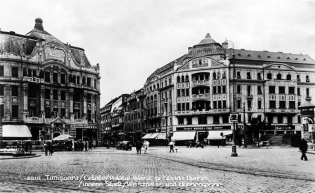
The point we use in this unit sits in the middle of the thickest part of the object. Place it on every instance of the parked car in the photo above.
(124, 145)
(264, 143)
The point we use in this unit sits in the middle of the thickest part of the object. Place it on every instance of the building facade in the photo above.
(48, 85)
(193, 96)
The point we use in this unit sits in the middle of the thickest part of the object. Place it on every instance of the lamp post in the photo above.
(245, 145)
(233, 154)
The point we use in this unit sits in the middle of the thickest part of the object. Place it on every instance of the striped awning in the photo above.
(217, 134)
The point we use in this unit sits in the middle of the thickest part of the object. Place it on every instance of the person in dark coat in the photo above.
(139, 146)
(51, 149)
(303, 148)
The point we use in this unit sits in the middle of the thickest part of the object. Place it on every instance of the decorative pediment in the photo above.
(279, 66)
(54, 53)
(58, 120)
(200, 63)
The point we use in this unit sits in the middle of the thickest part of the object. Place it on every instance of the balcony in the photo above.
(200, 83)
(35, 120)
(33, 79)
(308, 98)
(205, 96)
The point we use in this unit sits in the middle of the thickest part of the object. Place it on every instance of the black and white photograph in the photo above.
(140, 96)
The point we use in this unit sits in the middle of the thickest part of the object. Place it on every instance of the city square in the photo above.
(157, 96)
(208, 169)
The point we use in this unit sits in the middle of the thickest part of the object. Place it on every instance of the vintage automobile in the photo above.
(124, 145)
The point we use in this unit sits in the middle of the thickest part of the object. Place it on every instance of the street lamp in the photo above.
(233, 154)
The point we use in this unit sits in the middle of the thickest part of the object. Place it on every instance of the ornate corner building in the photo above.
(193, 96)
(48, 85)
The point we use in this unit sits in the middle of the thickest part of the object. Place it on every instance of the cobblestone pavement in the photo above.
(190, 170)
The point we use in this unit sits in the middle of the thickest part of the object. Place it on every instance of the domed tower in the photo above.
(207, 47)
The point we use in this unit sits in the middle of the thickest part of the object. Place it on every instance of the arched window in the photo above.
(214, 76)
(269, 76)
(162, 84)
(307, 78)
(158, 85)
(278, 76)
(178, 79)
(170, 80)
(238, 75)
(183, 79)
(259, 76)
(150, 88)
(153, 87)
(249, 76)
(165, 82)
(187, 78)
(298, 78)
(289, 77)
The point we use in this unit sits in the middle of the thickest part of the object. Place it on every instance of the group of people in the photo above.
(48, 148)
(84, 145)
(145, 146)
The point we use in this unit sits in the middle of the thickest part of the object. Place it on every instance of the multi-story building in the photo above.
(192, 97)
(118, 118)
(48, 85)
(135, 115)
(106, 122)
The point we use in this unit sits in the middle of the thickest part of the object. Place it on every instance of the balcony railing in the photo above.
(33, 79)
(205, 96)
(200, 82)
(308, 98)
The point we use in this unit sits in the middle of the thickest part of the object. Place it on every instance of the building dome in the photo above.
(207, 40)
(207, 46)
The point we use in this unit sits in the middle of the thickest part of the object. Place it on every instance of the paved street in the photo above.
(191, 169)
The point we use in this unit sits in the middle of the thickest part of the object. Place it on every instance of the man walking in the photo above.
(171, 144)
(146, 146)
(303, 148)
(139, 146)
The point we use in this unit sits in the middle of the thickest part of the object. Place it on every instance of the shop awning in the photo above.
(217, 134)
(153, 136)
(63, 137)
(187, 135)
(161, 136)
(18, 132)
(146, 136)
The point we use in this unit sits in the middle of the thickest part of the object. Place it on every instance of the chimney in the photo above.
(39, 24)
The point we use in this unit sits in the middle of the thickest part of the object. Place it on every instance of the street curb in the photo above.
(21, 157)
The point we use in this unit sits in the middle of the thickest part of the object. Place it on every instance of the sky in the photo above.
(130, 39)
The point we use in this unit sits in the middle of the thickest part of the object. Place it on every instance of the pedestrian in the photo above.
(303, 148)
(86, 144)
(171, 144)
(94, 143)
(90, 144)
(46, 148)
(51, 149)
(138, 147)
(146, 146)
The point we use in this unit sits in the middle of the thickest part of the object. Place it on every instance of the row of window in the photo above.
(202, 120)
(163, 84)
(269, 76)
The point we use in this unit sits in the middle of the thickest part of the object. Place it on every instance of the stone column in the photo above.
(7, 101)
(25, 100)
(42, 100)
(70, 99)
(93, 108)
(84, 105)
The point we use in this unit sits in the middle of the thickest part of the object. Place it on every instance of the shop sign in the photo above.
(285, 127)
(193, 128)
